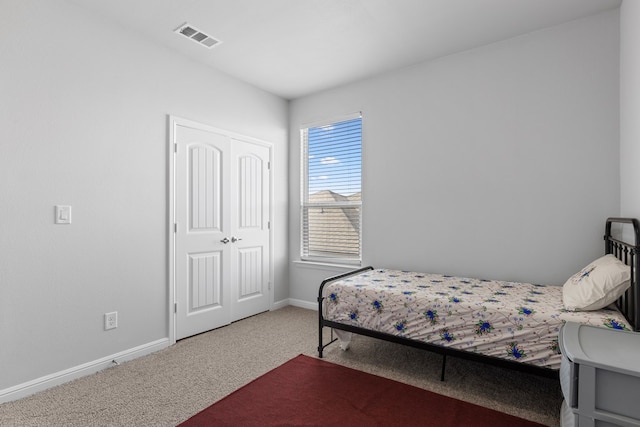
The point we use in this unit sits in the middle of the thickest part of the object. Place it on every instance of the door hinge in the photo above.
(269, 285)
(175, 307)
(175, 227)
(269, 225)
(269, 165)
(175, 148)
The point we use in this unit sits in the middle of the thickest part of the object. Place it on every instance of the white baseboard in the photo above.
(296, 303)
(48, 381)
(303, 304)
(277, 305)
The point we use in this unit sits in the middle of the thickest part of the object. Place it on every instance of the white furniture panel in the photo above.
(600, 376)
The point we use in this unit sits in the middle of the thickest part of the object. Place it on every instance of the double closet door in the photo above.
(222, 232)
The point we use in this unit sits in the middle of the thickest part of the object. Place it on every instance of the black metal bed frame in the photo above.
(629, 302)
(629, 305)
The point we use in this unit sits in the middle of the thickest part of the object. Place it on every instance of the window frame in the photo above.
(305, 256)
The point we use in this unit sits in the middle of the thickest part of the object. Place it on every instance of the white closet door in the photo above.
(250, 222)
(222, 236)
(202, 258)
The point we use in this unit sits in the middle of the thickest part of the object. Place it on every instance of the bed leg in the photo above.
(444, 364)
(320, 326)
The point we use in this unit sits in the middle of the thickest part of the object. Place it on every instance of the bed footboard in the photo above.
(321, 321)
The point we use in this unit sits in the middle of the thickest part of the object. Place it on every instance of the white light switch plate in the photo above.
(63, 214)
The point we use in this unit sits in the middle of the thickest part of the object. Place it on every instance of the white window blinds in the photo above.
(331, 208)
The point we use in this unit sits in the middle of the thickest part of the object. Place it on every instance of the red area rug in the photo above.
(306, 391)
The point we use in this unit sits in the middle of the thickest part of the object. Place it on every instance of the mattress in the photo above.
(508, 320)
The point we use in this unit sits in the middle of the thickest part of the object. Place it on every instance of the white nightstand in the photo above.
(600, 376)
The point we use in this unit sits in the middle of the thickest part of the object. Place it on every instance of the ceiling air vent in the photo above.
(197, 36)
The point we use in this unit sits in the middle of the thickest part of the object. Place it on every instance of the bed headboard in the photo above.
(629, 302)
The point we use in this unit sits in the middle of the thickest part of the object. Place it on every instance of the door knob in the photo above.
(225, 240)
(234, 239)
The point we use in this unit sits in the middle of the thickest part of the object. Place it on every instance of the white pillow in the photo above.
(597, 285)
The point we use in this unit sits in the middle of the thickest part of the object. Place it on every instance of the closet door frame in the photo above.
(172, 123)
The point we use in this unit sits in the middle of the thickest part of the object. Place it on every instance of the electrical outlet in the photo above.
(110, 320)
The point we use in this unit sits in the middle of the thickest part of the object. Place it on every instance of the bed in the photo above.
(505, 323)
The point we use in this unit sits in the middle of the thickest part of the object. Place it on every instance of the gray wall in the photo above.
(500, 162)
(630, 108)
(84, 118)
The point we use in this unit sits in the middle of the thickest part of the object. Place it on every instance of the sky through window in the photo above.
(335, 158)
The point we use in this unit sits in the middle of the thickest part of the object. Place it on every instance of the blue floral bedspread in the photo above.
(509, 320)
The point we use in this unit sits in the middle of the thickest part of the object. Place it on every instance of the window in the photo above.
(331, 208)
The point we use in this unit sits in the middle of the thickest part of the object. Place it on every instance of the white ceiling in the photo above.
(296, 47)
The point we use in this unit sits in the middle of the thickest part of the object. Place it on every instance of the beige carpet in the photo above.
(169, 386)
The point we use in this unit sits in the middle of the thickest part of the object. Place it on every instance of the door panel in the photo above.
(205, 167)
(249, 277)
(250, 189)
(205, 281)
